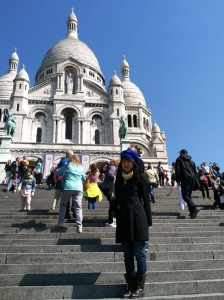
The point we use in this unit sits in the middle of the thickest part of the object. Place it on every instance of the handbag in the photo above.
(86, 184)
(37, 171)
(25, 193)
(111, 192)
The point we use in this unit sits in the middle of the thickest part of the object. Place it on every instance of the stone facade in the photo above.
(70, 108)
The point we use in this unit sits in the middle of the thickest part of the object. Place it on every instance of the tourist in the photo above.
(182, 203)
(8, 170)
(186, 174)
(13, 183)
(58, 180)
(220, 201)
(108, 186)
(28, 187)
(73, 177)
(15, 165)
(173, 176)
(161, 174)
(153, 181)
(39, 168)
(203, 179)
(23, 165)
(205, 168)
(133, 213)
(93, 193)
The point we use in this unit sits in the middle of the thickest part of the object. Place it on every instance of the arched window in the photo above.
(68, 127)
(5, 110)
(20, 86)
(116, 92)
(117, 112)
(135, 121)
(97, 136)
(129, 120)
(39, 133)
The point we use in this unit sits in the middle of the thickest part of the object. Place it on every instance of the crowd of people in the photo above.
(128, 187)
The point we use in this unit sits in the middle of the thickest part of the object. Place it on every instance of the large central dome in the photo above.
(70, 47)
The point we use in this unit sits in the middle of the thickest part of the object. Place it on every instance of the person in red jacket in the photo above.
(203, 178)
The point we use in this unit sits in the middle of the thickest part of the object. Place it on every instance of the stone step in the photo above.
(75, 240)
(95, 291)
(109, 266)
(106, 248)
(88, 257)
(97, 278)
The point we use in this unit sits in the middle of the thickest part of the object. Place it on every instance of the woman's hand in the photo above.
(149, 227)
(32, 194)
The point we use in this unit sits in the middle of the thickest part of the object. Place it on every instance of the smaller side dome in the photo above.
(22, 74)
(115, 80)
(155, 128)
(124, 64)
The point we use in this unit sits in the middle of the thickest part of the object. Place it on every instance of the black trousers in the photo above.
(204, 187)
(161, 179)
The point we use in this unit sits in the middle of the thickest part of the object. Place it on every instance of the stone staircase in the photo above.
(40, 261)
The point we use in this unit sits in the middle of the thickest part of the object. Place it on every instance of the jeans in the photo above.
(137, 249)
(9, 187)
(92, 203)
(151, 186)
(187, 185)
(77, 201)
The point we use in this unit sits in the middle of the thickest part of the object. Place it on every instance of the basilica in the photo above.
(69, 107)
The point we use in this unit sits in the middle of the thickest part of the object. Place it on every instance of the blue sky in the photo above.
(175, 49)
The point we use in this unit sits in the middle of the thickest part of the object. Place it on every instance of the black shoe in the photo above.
(194, 214)
(203, 197)
(209, 197)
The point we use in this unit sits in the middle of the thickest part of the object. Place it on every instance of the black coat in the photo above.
(133, 210)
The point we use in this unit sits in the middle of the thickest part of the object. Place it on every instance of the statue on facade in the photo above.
(69, 82)
(10, 123)
(123, 130)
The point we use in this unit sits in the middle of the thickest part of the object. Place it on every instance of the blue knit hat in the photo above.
(131, 155)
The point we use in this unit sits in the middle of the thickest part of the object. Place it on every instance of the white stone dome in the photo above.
(22, 74)
(115, 80)
(6, 86)
(132, 94)
(70, 46)
(155, 128)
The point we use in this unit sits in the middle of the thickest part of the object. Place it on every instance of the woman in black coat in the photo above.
(133, 213)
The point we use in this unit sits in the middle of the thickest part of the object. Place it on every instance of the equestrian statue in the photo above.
(123, 130)
(10, 123)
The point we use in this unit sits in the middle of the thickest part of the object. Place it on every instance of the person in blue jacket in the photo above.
(73, 178)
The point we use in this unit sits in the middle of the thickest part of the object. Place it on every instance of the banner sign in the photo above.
(85, 161)
(48, 163)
